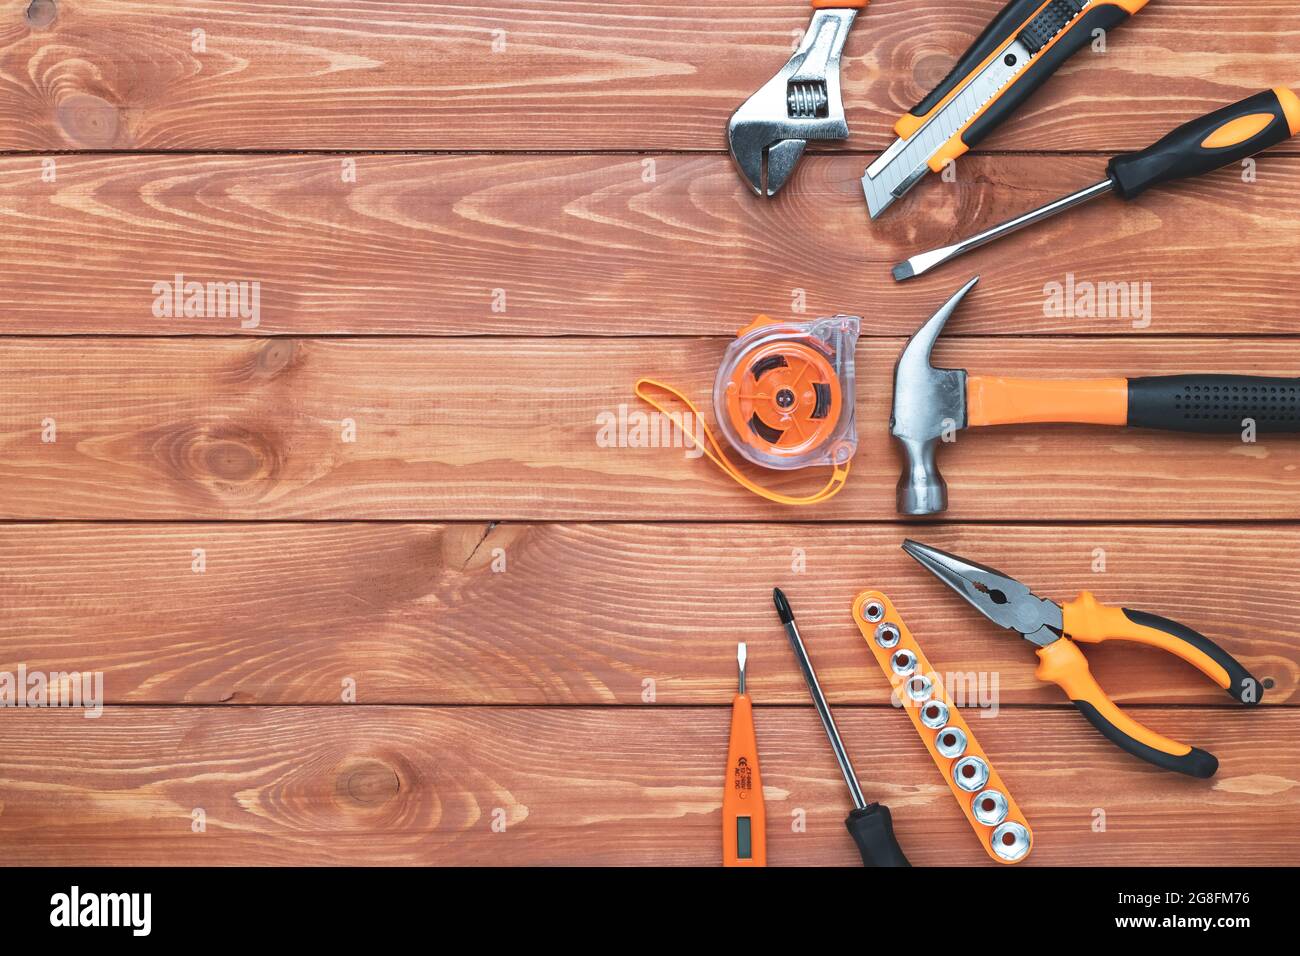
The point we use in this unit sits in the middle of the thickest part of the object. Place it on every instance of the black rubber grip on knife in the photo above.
(1243, 687)
(1190, 151)
(1215, 404)
(1056, 16)
(1045, 64)
(872, 829)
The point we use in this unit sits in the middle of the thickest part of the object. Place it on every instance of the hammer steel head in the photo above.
(768, 134)
(928, 401)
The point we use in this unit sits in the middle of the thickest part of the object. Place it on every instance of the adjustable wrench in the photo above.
(769, 133)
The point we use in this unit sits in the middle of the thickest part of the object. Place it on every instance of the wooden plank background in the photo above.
(473, 227)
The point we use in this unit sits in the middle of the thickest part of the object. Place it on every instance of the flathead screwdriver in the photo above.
(870, 824)
(1226, 136)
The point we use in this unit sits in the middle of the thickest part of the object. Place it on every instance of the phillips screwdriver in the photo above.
(1224, 137)
(870, 824)
(744, 822)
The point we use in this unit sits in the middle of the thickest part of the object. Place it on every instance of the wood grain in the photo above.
(423, 74)
(513, 429)
(617, 245)
(540, 630)
(587, 614)
(355, 785)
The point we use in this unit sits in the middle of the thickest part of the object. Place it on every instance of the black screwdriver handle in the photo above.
(872, 829)
(1225, 136)
(1215, 404)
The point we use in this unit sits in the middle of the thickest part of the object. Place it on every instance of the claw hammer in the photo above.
(930, 402)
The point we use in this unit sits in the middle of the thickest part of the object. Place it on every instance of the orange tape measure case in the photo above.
(784, 398)
(784, 393)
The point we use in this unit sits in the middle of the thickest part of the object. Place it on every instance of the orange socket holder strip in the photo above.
(1005, 836)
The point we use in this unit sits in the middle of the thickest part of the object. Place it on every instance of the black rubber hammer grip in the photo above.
(1216, 404)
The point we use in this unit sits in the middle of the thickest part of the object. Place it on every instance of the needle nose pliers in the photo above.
(1055, 629)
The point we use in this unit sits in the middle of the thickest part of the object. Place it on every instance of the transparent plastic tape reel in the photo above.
(785, 394)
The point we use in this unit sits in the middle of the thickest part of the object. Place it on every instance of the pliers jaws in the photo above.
(768, 134)
(1002, 599)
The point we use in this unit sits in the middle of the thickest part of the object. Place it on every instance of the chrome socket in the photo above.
(873, 611)
(951, 743)
(903, 663)
(888, 635)
(970, 774)
(920, 688)
(1010, 841)
(935, 715)
(989, 807)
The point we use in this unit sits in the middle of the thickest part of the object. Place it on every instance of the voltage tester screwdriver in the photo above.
(1224, 137)
(744, 821)
(870, 825)
(1016, 54)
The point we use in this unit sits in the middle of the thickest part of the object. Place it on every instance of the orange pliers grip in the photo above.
(1089, 621)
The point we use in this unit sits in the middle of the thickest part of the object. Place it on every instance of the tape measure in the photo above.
(780, 394)
(784, 398)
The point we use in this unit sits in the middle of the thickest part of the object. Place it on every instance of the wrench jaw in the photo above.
(769, 133)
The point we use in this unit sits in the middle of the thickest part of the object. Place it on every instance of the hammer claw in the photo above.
(922, 343)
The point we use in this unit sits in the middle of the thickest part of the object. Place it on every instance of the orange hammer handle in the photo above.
(1013, 401)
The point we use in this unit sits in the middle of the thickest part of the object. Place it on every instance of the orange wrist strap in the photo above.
(713, 451)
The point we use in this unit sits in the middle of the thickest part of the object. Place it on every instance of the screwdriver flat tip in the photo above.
(904, 271)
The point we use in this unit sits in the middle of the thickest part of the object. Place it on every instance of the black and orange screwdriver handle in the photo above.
(1089, 621)
(744, 820)
(1230, 135)
(1211, 404)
